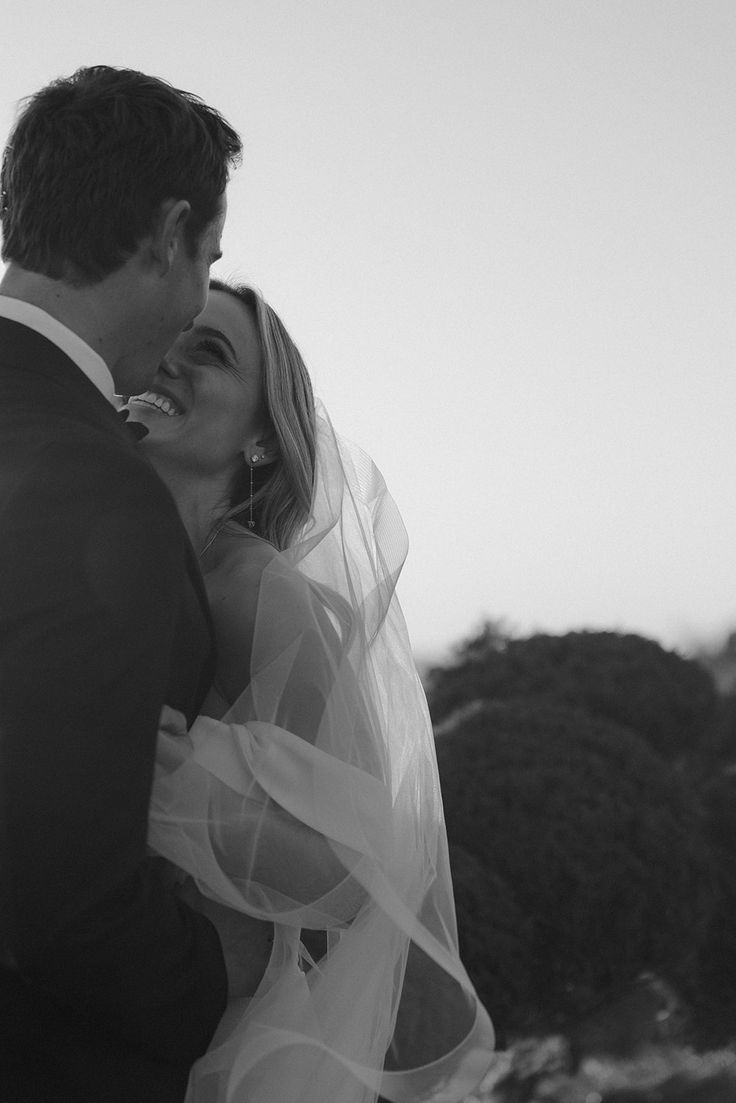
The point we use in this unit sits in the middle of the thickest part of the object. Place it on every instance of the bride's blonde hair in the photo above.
(282, 496)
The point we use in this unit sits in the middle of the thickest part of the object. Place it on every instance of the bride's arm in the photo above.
(265, 779)
(284, 657)
(246, 942)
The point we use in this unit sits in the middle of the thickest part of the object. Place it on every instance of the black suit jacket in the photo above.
(109, 987)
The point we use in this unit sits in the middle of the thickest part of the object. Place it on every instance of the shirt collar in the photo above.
(70, 343)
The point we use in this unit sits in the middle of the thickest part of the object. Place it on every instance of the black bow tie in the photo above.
(136, 430)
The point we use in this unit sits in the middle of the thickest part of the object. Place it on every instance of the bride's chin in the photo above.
(158, 424)
(159, 438)
(157, 435)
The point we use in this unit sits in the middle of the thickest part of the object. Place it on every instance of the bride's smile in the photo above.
(205, 413)
(158, 402)
(204, 409)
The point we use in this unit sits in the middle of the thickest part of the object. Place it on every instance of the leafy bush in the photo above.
(588, 856)
(718, 987)
(668, 700)
(721, 743)
(495, 939)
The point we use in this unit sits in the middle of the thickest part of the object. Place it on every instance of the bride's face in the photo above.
(204, 408)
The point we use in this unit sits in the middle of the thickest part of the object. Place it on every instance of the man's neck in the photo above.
(86, 310)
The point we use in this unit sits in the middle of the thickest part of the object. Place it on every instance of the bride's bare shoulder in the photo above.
(233, 570)
(249, 583)
(245, 570)
(234, 567)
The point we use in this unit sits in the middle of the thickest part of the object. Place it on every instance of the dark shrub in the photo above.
(718, 988)
(489, 919)
(669, 700)
(595, 867)
(721, 742)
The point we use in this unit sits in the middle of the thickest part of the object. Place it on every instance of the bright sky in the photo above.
(503, 233)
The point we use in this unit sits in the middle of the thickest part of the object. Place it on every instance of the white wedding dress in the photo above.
(315, 804)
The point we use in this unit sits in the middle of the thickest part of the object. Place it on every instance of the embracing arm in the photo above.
(263, 787)
(90, 579)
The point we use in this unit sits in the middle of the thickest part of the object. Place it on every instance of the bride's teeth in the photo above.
(160, 402)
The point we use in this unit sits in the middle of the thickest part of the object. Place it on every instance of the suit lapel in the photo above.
(26, 351)
(208, 667)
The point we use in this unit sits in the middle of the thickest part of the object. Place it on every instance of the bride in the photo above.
(302, 813)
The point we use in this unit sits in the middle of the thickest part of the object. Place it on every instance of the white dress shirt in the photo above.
(86, 359)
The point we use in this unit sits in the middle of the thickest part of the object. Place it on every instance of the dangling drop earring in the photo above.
(253, 461)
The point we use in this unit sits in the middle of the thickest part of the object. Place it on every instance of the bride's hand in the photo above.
(172, 721)
(246, 942)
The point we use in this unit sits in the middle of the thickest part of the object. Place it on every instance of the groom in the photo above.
(113, 200)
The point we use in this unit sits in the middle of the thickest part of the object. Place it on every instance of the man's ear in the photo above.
(167, 237)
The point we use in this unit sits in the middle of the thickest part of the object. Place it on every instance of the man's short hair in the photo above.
(91, 158)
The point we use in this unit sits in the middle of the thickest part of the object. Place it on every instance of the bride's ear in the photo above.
(262, 451)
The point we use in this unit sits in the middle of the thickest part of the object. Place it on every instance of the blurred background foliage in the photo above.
(589, 784)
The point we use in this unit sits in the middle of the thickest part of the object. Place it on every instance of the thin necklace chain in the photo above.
(210, 540)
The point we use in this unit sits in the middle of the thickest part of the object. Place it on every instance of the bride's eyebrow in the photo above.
(210, 331)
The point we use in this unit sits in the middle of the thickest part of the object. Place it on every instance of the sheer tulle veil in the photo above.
(315, 804)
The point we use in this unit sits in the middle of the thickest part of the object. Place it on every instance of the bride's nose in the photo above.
(169, 367)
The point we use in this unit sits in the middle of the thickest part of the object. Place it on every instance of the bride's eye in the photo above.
(213, 348)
